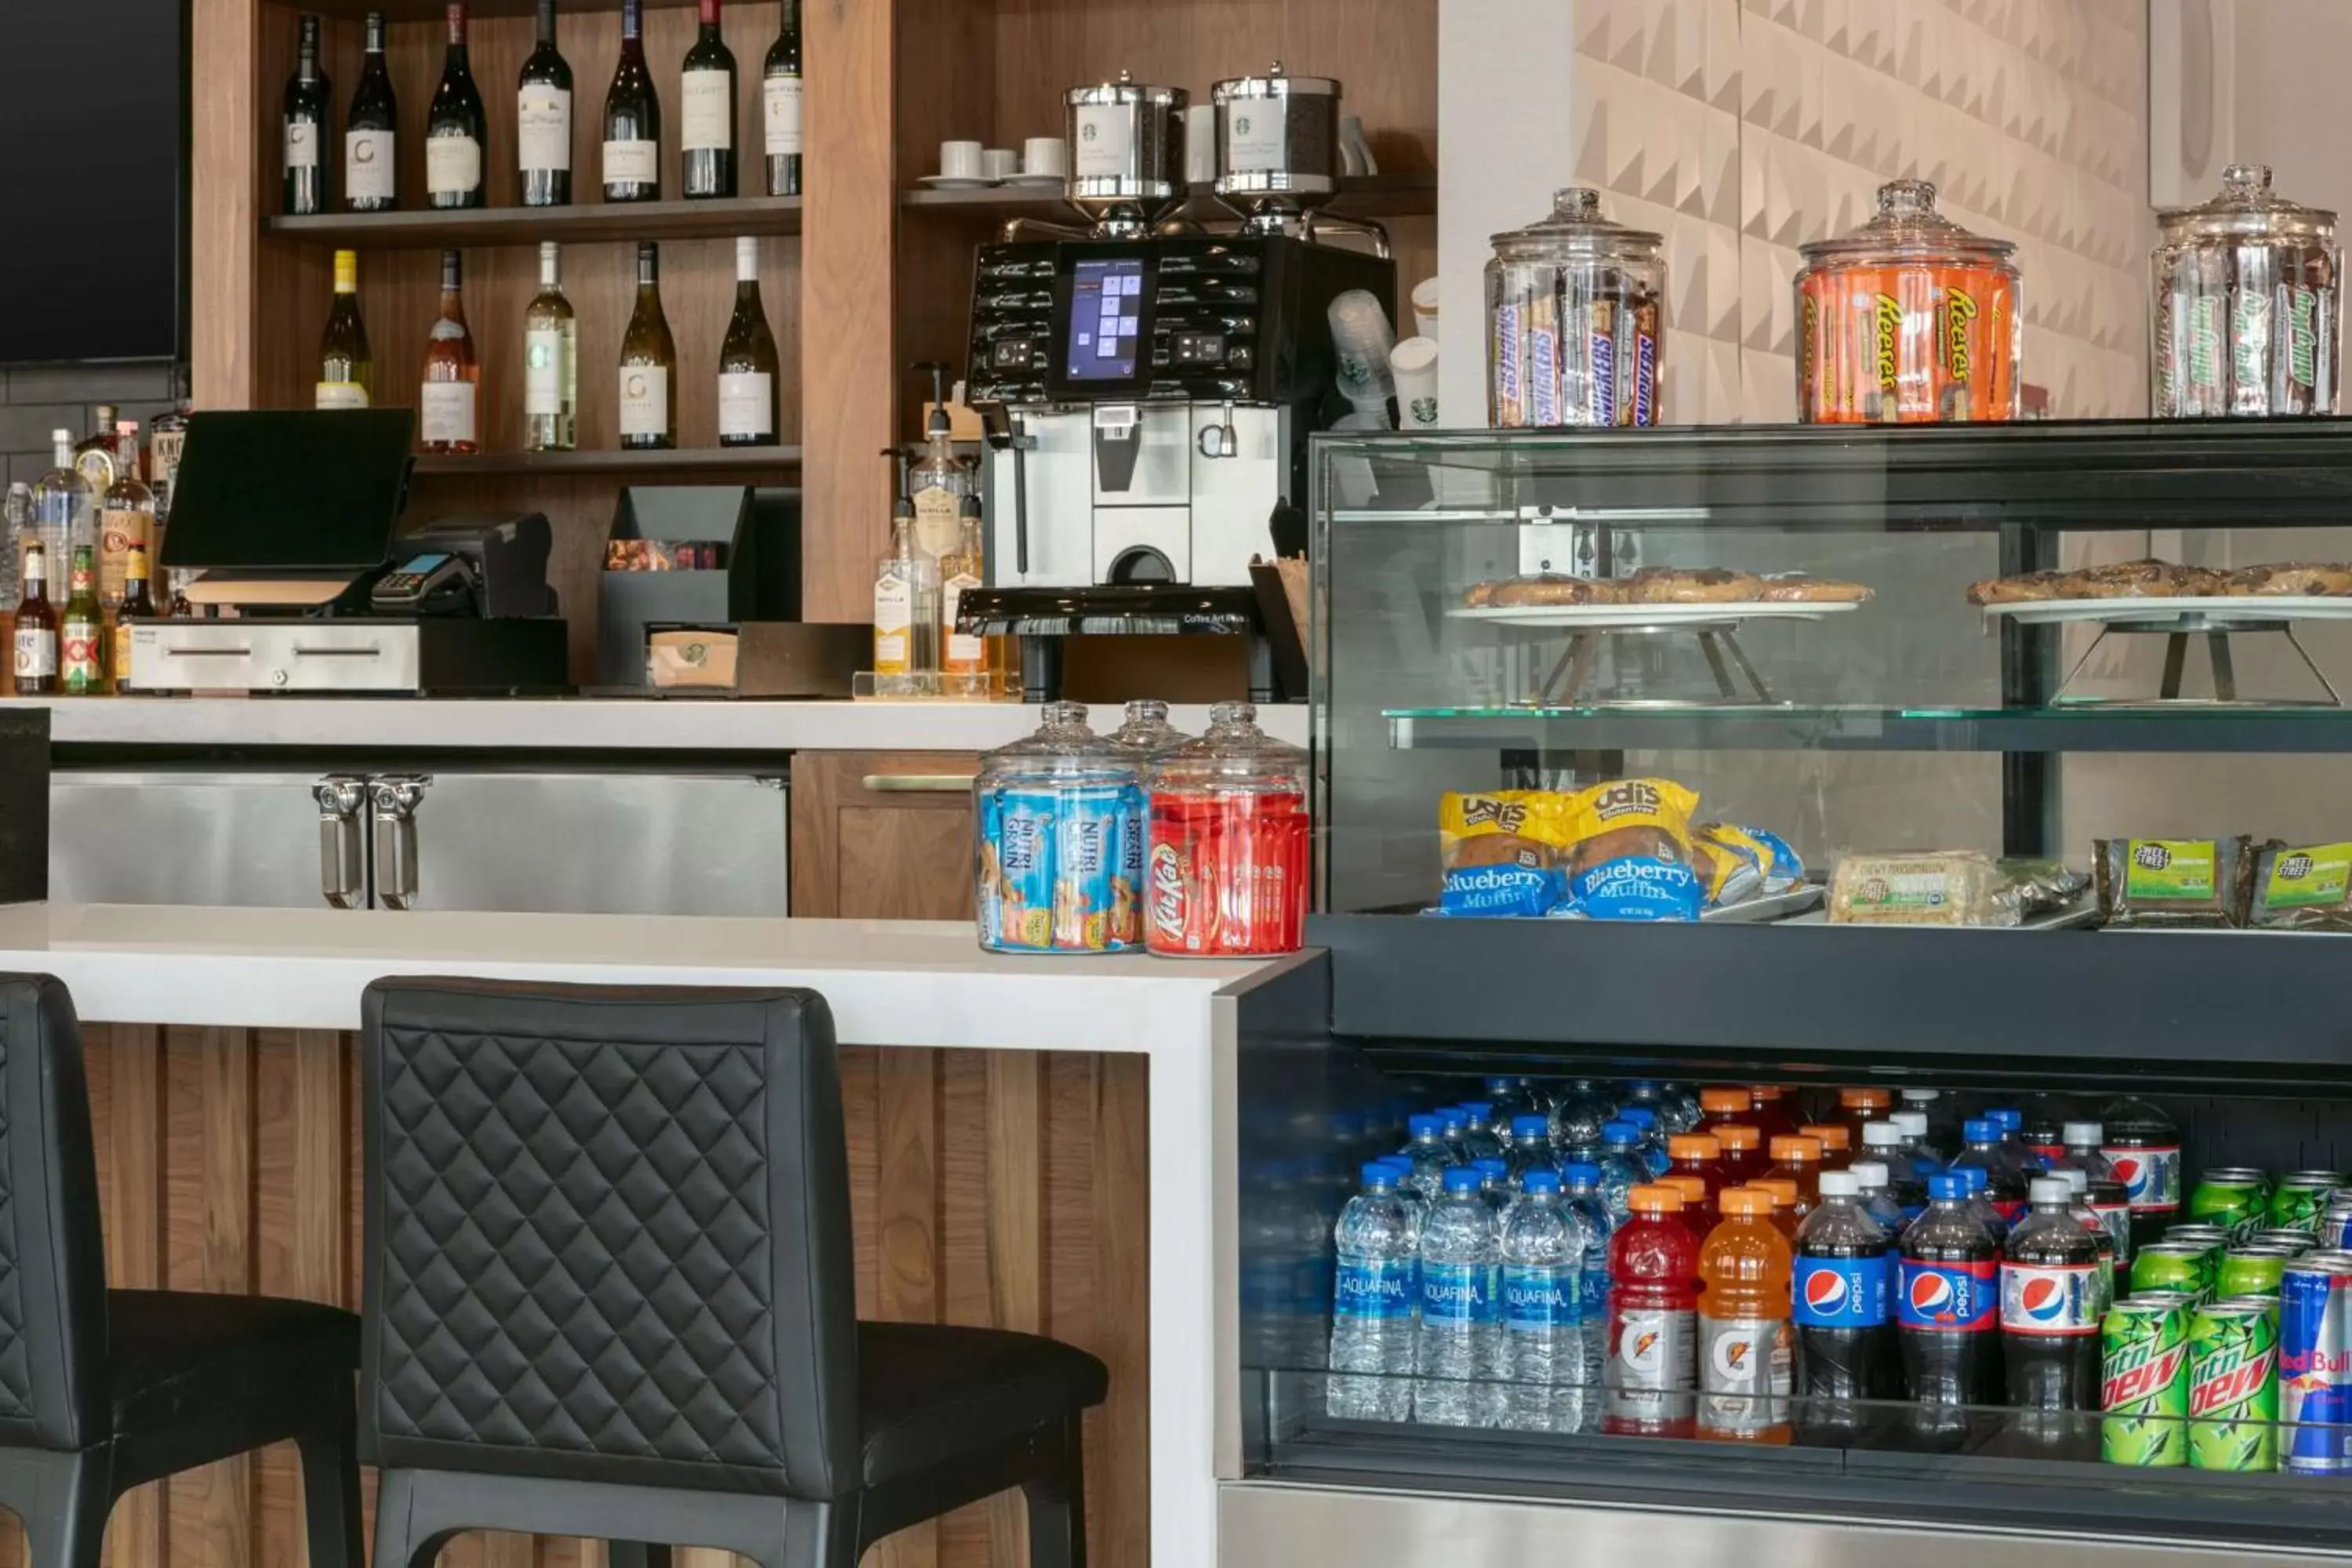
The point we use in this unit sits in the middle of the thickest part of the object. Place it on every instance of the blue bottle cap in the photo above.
(1530, 1127)
(2006, 1120)
(1641, 1116)
(1431, 1125)
(1379, 1173)
(1582, 1172)
(1540, 1182)
(1477, 1111)
(1979, 1130)
(1641, 1085)
(1461, 1179)
(1621, 1133)
(1948, 1185)
(1974, 1175)
(1488, 1166)
(1401, 1164)
(1452, 1119)
(1499, 1087)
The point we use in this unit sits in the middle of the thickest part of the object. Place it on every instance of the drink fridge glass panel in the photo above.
(647, 377)
(632, 132)
(747, 374)
(308, 127)
(543, 120)
(447, 417)
(779, 103)
(371, 132)
(706, 136)
(551, 361)
(457, 133)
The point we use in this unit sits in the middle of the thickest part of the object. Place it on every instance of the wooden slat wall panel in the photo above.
(1003, 1188)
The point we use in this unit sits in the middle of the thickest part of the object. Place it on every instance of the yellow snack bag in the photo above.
(1501, 852)
(1629, 854)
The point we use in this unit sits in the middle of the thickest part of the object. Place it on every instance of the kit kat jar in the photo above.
(1230, 843)
(2246, 322)
(1573, 309)
(1909, 320)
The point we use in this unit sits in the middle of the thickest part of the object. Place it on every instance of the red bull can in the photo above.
(2295, 1241)
(2335, 1220)
(2315, 1363)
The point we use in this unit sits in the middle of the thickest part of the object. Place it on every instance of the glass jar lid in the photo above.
(1233, 752)
(1575, 228)
(1908, 227)
(1063, 745)
(1275, 83)
(1126, 89)
(2247, 207)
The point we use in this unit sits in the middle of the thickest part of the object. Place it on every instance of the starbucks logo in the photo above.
(1087, 131)
(1241, 125)
(1423, 410)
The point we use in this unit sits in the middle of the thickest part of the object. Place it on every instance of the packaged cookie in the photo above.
(1501, 852)
(2173, 881)
(1629, 853)
(1937, 888)
(2303, 888)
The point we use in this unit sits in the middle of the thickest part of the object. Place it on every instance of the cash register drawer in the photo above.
(275, 656)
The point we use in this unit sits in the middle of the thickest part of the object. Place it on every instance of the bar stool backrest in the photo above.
(53, 1386)
(607, 1237)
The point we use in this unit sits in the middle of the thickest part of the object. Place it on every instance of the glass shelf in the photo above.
(2087, 727)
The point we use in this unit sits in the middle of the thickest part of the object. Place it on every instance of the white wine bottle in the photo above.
(747, 361)
(346, 378)
(551, 361)
(648, 364)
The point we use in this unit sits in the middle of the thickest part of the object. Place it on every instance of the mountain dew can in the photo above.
(2233, 1391)
(2173, 1265)
(2253, 1270)
(2301, 1199)
(2145, 1341)
(2237, 1197)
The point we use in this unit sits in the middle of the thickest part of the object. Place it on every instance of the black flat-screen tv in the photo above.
(93, 184)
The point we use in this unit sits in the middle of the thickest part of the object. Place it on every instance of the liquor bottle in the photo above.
(37, 630)
(167, 437)
(371, 132)
(64, 509)
(455, 132)
(937, 484)
(706, 115)
(632, 117)
(961, 654)
(126, 521)
(648, 364)
(551, 360)
(543, 120)
(346, 373)
(94, 455)
(445, 404)
(16, 514)
(81, 632)
(906, 600)
(138, 605)
(747, 361)
(310, 111)
(780, 101)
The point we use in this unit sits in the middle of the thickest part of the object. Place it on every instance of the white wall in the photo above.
(2292, 56)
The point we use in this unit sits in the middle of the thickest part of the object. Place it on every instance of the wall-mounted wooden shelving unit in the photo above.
(577, 225)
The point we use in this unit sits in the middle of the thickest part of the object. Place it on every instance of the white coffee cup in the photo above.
(1000, 162)
(1425, 308)
(1413, 362)
(959, 160)
(1044, 155)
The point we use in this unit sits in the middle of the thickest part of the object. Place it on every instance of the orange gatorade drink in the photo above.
(1746, 1352)
(1743, 1151)
(1799, 1158)
(1697, 1155)
(1836, 1140)
(1784, 1202)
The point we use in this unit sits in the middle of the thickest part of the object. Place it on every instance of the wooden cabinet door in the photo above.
(882, 835)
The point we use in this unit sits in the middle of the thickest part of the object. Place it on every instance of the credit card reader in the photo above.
(433, 581)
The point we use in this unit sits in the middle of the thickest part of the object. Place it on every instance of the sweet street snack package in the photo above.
(1501, 852)
(2303, 886)
(1630, 854)
(2173, 881)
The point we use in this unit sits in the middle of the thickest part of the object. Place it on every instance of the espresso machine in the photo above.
(1149, 385)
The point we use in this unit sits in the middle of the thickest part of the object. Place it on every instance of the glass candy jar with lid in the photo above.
(1230, 841)
(2244, 320)
(1573, 309)
(1059, 846)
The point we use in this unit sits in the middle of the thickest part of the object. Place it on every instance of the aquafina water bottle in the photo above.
(1373, 1303)
(1543, 1247)
(1461, 1269)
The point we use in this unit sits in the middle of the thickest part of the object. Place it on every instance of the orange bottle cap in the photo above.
(1656, 1197)
(1720, 1099)
(1796, 1146)
(1737, 1135)
(1691, 1187)
(1693, 1146)
(1783, 1191)
(1831, 1136)
(1746, 1201)
(1866, 1098)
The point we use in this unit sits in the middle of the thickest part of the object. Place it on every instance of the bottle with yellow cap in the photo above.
(346, 373)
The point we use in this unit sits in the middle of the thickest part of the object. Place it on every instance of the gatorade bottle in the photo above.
(1784, 1203)
(1798, 1159)
(1845, 1349)
(2004, 1188)
(1947, 1308)
(1858, 1106)
(1652, 1302)
(1698, 1207)
(1882, 1141)
(1925, 1161)
(1870, 1178)
(1743, 1151)
(1836, 1139)
(1745, 1354)
(2049, 1329)
(2144, 1147)
(1767, 1111)
(1697, 1155)
(1723, 1102)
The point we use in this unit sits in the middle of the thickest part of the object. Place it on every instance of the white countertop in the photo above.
(889, 982)
(584, 723)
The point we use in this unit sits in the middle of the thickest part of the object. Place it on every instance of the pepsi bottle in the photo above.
(1948, 1310)
(1870, 1177)
(2050, 1316)
(1840, 1308)
(2009, 1125)
(2144, 1147)
(2004, 1187)
(2043, 1130)
(1882, 1141)
(1973, 1179)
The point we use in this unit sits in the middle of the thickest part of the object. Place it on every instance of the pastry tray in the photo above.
(2182, 614)
(1640, 617)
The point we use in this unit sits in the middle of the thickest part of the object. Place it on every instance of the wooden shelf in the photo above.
(433, 10)
(577, 225)
(704, 460)
(1371, 196)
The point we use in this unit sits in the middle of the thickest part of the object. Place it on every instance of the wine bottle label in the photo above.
(368, 170)
(340, 394)
(542, 373)
(453, 165)
(936, 523)
(118, 531)
(645, 400)
(707, 119)
(964, 653)
(544, 128)
(747, 404)
(631, 162)
(445, 413)
(1255, 138)
(1104, 138)
(37, 652)
(780, 95)
(302, 144)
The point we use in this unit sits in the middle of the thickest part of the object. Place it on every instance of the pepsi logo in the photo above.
(2044, 1300)
(1825, 1290)
(1931, 1294)
(2132, 1172)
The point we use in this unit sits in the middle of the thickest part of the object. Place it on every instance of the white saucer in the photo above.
(957, 181)
(1033, 179)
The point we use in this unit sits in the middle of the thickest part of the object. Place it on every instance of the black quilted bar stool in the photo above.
(610, 1293)
(103, 1390)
